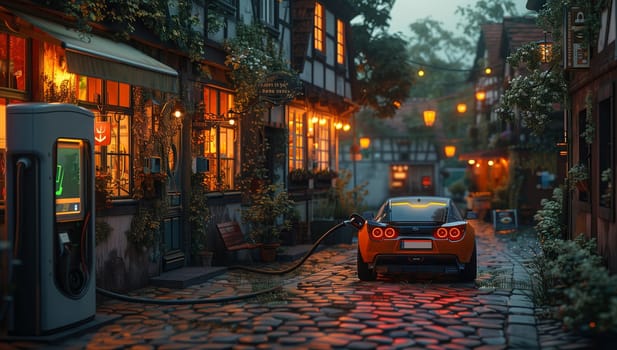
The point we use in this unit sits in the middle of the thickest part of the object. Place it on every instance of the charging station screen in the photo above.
(69, 179)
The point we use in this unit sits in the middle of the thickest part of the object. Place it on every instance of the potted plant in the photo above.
(102, 195)
(323, 178)
(267, 214)
(578, 177)
(288, 235)
(199, 215)
(299, 178)
(341, 201)
(149, 185)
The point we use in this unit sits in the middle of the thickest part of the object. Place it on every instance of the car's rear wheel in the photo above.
(470, 270)
(364, 272)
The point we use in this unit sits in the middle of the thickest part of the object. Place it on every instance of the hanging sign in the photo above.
(279, 88)
(102, 133)
(576, 50)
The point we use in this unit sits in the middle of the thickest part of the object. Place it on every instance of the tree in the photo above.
(383, 68)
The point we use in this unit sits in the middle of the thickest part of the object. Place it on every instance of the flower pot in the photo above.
(268, 252)
(204, 258)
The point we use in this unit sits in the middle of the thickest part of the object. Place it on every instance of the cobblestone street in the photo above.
(323, 305)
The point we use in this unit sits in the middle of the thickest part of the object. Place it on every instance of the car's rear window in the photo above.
(430, 211)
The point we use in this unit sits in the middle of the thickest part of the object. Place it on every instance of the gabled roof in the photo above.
(518, 31)
(492, 39)
(489, 44)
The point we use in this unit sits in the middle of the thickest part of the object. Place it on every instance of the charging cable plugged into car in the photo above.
(355, 220)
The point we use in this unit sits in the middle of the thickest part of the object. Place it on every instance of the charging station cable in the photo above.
(353, 221)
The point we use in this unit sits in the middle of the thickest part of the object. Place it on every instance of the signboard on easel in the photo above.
(505, 220)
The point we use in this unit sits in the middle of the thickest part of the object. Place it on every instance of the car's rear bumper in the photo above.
(446, 264)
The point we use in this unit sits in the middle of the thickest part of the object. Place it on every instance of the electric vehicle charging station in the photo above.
(50, 217)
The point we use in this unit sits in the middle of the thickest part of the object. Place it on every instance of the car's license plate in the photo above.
(417, 244)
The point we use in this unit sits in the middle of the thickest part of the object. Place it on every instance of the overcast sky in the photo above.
(405, 12)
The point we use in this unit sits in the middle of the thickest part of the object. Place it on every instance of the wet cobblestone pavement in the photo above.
(322, 305)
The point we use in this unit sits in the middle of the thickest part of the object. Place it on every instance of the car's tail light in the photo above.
(452, 233)
(380, 233)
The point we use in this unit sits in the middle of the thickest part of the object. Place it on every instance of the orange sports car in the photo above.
(416, 234)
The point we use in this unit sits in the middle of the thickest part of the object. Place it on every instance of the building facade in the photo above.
(171, 115)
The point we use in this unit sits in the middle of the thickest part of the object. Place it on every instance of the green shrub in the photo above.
(570, 276)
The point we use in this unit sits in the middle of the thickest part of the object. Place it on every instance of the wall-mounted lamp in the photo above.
(546, 51)
(346, 127)
(488, 71)
(178, 109)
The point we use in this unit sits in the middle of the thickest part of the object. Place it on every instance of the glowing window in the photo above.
(340, 42)
(319, 27)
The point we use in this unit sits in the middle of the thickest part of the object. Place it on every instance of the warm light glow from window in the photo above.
(318, 32)
(429, 117)
(340, 42)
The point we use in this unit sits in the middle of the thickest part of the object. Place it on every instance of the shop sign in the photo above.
(576, 50)
(279, 88)
(505, 220)
(102, 133)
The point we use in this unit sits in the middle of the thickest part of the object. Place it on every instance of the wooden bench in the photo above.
(233, 238)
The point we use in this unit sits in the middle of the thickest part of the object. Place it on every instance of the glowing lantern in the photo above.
(480, 95)
(449, 150)
(461, 108)
(429, 117)
(365, 142)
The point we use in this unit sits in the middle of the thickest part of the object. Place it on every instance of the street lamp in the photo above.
(429, 117)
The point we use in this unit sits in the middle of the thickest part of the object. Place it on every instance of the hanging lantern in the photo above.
(365, 142)
(449, 150)
(429, 117)
(480, 95)
(461, 108)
